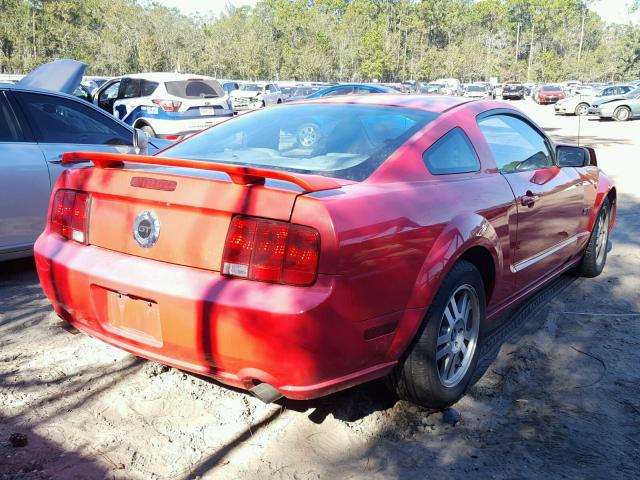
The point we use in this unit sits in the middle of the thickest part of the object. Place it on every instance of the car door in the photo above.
(24, 182)
(107, 95)
(550, 199)
(128, 98)
(63, 124)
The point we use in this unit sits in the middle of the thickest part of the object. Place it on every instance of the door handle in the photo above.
(529, 199)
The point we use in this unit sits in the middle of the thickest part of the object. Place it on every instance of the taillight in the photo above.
(271, 251)
(168, 105)
(69, 214)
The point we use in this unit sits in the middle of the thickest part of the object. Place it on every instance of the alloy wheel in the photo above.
(458, 335)
(602, 239)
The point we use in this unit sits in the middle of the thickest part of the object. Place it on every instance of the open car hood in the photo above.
(59, 76)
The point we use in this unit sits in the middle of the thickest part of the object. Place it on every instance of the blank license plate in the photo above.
(134, 318)
(207, 111)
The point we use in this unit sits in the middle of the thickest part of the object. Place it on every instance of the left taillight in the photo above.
(69, 215)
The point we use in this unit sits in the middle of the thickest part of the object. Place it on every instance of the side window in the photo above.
(129, 88)
(339, 91)
(452, 153)
(608, 91)
(148, 88)
(625, 89)
(515, 145)
(60, 120)
(9, 130)
(362, 91)
(108, 96)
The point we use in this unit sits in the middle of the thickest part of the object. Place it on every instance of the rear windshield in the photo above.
(194, 88)
(343, 141)
(475, 88)
(633, 93)
(550, 88)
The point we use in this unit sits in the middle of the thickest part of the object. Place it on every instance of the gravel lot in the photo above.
(561, 399)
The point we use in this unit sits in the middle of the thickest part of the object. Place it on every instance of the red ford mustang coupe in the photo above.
(306, 248)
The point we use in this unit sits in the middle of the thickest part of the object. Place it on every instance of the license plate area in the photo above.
(134, 318)
(207, 111)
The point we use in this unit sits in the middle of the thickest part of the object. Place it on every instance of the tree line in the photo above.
(339, 40)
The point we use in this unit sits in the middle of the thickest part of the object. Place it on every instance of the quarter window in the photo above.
(60, 120)
(452, 153)
(515, 145)
(148, 88)
(129, 88)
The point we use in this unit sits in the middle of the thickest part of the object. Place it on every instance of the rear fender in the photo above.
(463, 233)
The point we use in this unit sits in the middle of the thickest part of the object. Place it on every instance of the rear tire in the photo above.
(622, 114)
(595, 255)
(439, 365)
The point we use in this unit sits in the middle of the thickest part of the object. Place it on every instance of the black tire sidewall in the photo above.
(420, 367)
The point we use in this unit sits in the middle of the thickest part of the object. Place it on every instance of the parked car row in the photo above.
(619, 102)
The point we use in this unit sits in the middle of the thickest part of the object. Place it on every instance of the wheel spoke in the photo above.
(463, 349)
(450, 316)
(443, 352)
(449, 367)
(466, 307)
(445, 338)
(453, 305)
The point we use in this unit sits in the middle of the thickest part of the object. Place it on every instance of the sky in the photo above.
(612, 11)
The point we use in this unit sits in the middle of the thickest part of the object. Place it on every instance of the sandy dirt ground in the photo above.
(561, 398)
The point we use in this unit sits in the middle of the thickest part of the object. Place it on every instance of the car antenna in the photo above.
(579, 125)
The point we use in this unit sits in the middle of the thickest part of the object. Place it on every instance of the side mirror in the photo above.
(573, 156)
(140, 142)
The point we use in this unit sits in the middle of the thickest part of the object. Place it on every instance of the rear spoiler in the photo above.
(239, 175)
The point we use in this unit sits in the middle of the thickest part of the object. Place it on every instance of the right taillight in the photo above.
(271, 251)
(69, 214)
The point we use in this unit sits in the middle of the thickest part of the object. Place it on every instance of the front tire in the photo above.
(438, 367)
(581, 109)
(595, 256)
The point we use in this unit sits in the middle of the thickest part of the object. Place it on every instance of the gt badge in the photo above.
(146, 229)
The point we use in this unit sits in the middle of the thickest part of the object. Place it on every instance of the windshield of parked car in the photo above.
(550, 88)
(250, 87)
(476, 88)
(336, 140)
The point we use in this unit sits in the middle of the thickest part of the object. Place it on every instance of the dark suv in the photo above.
(513, 90)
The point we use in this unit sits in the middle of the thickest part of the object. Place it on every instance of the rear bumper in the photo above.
(298, 339)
